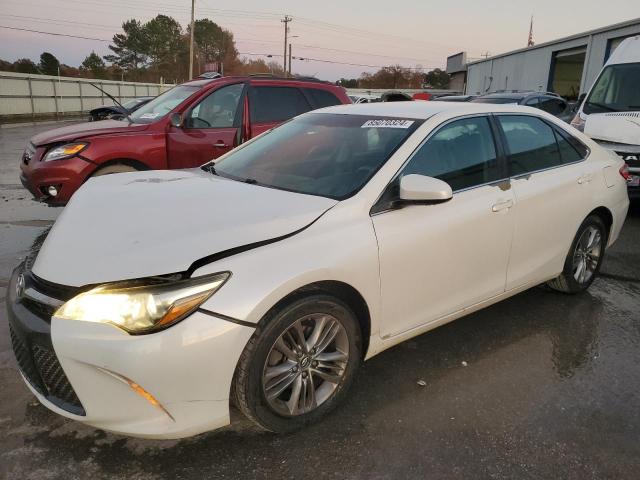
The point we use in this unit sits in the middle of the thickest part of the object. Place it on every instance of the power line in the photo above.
(56, 34)
(242, 53)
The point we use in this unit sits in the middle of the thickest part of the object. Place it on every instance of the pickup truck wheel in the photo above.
(116, 168)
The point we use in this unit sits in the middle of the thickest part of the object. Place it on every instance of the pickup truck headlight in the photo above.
(65, 151)
(142, 308)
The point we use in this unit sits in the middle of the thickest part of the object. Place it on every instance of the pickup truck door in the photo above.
(209, 129)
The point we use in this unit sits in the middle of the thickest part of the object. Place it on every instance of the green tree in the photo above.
(49, 64)
(25, 65)
(348, 82)
(215, 44)
(94, 66)
(436, 78)
(129, 48)
(164, 42)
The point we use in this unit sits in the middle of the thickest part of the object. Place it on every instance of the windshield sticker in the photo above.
(387, 123)
(149, 115)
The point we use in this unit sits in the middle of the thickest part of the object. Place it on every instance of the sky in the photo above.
(369, 34)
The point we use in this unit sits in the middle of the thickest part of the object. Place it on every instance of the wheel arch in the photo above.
(137, 164)
(342, 291)
(606, 216)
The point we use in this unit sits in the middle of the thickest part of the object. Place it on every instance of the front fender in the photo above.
(325, 251)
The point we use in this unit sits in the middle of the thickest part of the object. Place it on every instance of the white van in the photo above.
(610, 113)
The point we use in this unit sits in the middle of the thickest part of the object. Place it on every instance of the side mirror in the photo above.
(176, 120)
(422, 189)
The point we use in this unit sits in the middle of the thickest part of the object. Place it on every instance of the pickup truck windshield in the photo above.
(616, 90)
(328, 155)
(163, 104)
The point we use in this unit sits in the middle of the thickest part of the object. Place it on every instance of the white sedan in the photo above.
(264, 280)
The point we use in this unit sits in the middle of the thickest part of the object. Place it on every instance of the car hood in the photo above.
(619, 127)
(86, 129)
(134, 225)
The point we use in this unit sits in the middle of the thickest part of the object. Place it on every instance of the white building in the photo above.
(567, 66)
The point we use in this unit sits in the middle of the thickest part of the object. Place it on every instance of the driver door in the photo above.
(209, 129)
(438, 259)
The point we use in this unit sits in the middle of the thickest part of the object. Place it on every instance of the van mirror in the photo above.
(422, 189)
(176, 120)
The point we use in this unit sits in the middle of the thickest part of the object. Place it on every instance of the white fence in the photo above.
(40, 96)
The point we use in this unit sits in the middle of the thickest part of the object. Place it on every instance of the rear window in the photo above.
(276, 104)
(322, 98)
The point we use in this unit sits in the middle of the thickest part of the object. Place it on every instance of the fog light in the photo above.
(52, 190)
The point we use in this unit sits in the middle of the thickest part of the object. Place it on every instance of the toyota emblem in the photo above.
(20, 284)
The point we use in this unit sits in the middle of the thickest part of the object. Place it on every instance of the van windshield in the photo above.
(329, 155)
(616, 90)
(163, 104)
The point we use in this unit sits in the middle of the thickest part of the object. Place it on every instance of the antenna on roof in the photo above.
(530, 42)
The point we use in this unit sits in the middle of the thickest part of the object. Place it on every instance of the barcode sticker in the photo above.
(387, 123)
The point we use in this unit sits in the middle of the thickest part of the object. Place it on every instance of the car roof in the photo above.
(422, 109)
(311, 82)
(515, 95)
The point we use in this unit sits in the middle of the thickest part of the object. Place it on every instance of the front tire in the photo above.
(299, 363)
(114, 168)
(583, 262)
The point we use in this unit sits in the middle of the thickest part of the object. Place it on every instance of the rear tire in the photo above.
(583, 262)
(266, 379)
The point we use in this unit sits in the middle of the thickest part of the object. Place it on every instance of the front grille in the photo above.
(53, 376)
(41, 310)
(43, 371)
(35, 249)
(25, 362)
(28, 154)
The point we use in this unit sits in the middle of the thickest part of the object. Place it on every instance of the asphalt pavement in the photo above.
(542, 385)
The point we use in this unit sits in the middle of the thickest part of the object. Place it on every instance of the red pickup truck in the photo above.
(184, 127)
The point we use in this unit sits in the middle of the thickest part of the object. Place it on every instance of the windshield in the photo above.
(132, 103)
(163, 104)
(499, 100)
(329, 155)
(616, 90)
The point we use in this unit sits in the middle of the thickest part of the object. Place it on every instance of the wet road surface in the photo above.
(549, 388)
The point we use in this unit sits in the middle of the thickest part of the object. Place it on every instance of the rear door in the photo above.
(548, 179)
(270, 105)
(209, 129)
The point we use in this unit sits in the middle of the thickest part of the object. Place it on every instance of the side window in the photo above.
(533, 102)
(322, 98)
(531, 143)
(218, 110)
(569, 150)
(461, 153)
(276, 104)
(554, 106)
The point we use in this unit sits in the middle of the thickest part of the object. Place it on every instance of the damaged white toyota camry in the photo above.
(160, 298)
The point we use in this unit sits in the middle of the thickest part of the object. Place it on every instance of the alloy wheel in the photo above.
(587, 254)
(306, 365)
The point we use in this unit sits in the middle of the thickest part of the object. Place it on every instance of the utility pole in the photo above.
(286, 21)
(193, 7)
(289, 73)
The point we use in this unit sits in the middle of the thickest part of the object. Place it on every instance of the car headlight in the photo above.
(142, 309)
(65, 151)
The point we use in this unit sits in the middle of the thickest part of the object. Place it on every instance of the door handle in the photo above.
(585, 178)
(502, 205)
(220, 144)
